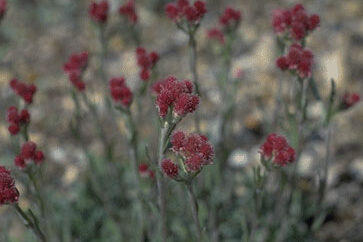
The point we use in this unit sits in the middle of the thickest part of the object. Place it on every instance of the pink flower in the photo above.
(16, 120)
(175, 95)
(230, 18)
(146, 61)
(75, 67)
(277, 149)
(2, 8)
(349, 100)
(8, 192)
(26, 91)
(182, 9)
(145, 170)
(99, 11)
(128, 10)
(29, 153)
(216, 34)
(296, 21)
(120, 92)
(195, 150)
(170, 168)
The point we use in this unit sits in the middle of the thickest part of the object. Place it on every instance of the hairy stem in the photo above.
(194, 209)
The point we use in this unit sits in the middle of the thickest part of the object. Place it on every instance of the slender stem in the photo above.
(194, 208)
(193, 68)
(323, 181)
(31, 223)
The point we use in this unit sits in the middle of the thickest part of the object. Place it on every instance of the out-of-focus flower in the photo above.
(231, 18)
(16, 120)
(216, 34)
(145, 171)
(295, 21)
(120, 92)
(128, 10)
(2, 8)
(176, 95)
(8, 192)
(27, 154)
(297, 59)
(182, 9)
(75, 67)
(99, 11)
(349, 100)
(278, 150)
(26, 91)
(146, 61)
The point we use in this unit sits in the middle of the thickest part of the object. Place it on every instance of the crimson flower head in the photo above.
(16, 119)
(195, 150)
(169, 168)
(75, 67)
(99, 11)
(128, 10)
(8, 192)
(26, 91)
(349, 100)
(2, 8)
(216, 34)
(175, 96)
(145, 170)
(146, 61)
(278, 150)
(295, 21)
(27, 154)
(230, 18)
(182, 9)
(120, 92)
(297, 59)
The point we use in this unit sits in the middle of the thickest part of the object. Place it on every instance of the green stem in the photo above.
(194, 209)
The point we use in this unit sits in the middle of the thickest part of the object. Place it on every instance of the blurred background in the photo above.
(37, 37)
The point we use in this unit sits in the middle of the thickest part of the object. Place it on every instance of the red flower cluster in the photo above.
(170, 168)
(230, 18)
(296, 21)
(2, 8)
(28, 153)
(195, 150)
(16, 120)
(128, 10)
(26, 91)
(146, 61)
(145, 171)
(298, 59)
(99, 11)
(229, 21)
(75, 66)
(216, 34)
(175, 94)
(120, 92)
(277, 149)
(182, 9)
(8, 192)
(349, 100)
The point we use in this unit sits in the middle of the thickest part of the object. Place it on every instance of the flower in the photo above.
(16, 120)
(176, 96)
(349, 100)
(128, 10)
(29, 153)
(297, 59)
(216, 34)
(120, 92)
(75, 67)
(145, 171)
(8, 192)
(278, 150)
(194, 149)
(170, 168)
(99, 11)
(295, 21)
(26, 91)
(182, 9)
(231, 18)
(2, 8)
(146, 61)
